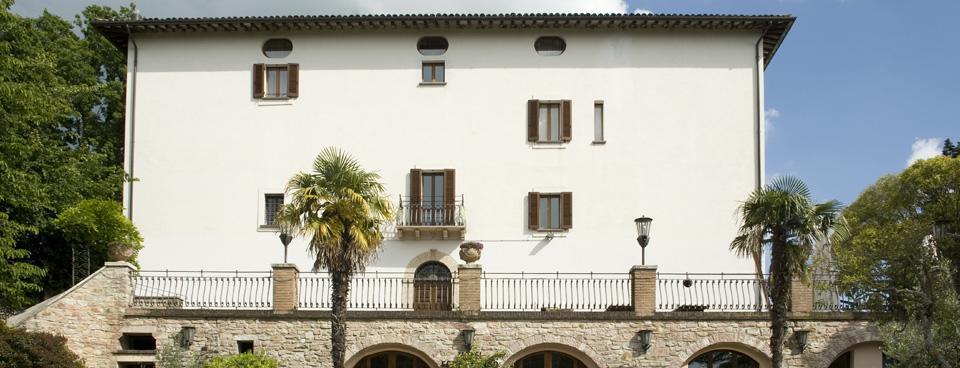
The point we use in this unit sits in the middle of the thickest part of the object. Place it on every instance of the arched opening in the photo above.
(866, 354)
(723, 359)
(391, 359)
(548, 359)
(432, 287)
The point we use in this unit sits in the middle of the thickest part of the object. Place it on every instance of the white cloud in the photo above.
(924, 148)
(220, 8)
(769, 115)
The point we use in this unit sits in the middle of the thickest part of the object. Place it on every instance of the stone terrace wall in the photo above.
(93, 314)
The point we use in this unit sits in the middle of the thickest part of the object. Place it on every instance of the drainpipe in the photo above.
(132, 116)
(759, 117)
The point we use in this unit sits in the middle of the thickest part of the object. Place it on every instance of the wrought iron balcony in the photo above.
(430, 217)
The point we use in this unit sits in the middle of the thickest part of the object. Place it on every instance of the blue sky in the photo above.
(857, 89)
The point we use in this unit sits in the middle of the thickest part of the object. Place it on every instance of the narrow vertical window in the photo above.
(272, 205)
(433, 72)
(598, 122)
(549, 211)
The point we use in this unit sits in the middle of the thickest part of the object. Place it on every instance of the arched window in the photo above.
(277, 48)
(432, 45)
(550, 46)
(548, 359)
(723, 359)
(432, 287)
(391, 359)
(843, 361)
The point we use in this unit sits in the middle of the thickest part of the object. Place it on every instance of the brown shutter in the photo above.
(416, 202)
(533, 210)
(258, 75)
(449, 195)
(293, 80)
(566, 206)
(533, 120)
(566, 120)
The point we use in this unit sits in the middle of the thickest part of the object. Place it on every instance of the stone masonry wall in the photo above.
(93, 315)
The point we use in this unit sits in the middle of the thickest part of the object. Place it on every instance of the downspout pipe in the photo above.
(133, 116)
(759, 113)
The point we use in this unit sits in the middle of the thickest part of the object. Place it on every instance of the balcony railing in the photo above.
(430, 212)
(709, 292)
(379, 291)
(202, 289)
(555, 291)
(827, 297)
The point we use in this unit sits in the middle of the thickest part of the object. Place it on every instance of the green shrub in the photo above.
(22, 349)
(475, 359)
(245, 360)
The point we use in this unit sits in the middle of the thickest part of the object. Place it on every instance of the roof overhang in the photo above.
(773, 28)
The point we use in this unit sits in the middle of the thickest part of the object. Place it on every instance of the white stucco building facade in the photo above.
(682, 139)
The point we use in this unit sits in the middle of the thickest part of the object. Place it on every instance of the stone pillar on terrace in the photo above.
(469, 275)
(285, 294)
(644, 289)
(801, 296)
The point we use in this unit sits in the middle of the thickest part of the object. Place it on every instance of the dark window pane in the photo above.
(432, 45)
(550, 46)
(560, 360)
(439, 73)
(534, 361)
(272, 204)
(277, 48)
(379, 361)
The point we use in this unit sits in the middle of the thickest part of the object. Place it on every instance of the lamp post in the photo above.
(285, 238)
(643, 236)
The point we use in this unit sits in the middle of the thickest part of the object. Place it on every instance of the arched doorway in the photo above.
(391, 359)
(723, 359)
(432, 287)
(548, 359)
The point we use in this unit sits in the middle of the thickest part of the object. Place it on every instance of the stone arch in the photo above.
(567, 345)
(376, 344)
(432, 255)
(844, 341)
(749, 345)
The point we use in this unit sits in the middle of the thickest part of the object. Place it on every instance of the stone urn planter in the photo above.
(470, 251)
(121, 252)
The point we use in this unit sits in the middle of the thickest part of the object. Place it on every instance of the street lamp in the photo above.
(468, 337)
(801, 337)
(643, 337)
(285, 238)
(643, 236)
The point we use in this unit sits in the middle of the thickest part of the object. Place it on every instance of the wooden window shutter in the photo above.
(566, 120)
(293, 80)
(449, 195)
(566, 206)
(416, 198)
(258, 74)
(533, 120)
(533, 210)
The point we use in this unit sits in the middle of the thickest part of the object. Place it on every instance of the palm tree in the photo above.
(340, 208)
(783, 216)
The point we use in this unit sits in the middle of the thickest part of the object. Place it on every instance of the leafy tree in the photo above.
(340, 207)
(951, 150)
(892, 264)
(61, 122)
(781, 215)
(245, 360)
(22, 349)
(475, 359)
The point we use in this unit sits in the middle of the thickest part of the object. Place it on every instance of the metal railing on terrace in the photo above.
(430, 211)
(379, 291)
(709, 292)
(202, 289)
(556, 291)
(827, 296)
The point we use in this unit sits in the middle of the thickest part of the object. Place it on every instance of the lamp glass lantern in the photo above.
(186, 335)
(468, 337)
(801, 337)
(285, 237)
(643, 337)
(643, 235)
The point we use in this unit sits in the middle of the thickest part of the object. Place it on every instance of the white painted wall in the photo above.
(679, 107)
